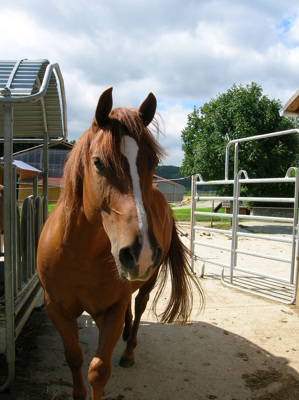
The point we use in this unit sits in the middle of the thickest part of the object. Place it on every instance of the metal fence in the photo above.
(32, 110)
(21, 288)
(271, 272)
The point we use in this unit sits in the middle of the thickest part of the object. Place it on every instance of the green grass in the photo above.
(183, 214)
(51, 207)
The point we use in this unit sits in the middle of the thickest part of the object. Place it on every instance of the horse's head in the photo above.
(117, 186)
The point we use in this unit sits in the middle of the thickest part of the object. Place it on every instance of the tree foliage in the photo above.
(239, 113)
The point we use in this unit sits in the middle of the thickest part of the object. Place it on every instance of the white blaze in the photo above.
(129, 149)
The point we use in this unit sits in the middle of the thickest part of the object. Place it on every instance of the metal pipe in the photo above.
(223, 182)
(212, 246)
(8, 252)
(267, 180)
(265, 218)
(268, 199)
(265, 256)
(234, 243)
(264, 237)
(255, 292)
(51, 68)
(192, 218)
(32, 97)
(261, 275)
(45, 177)
(14, 228)
(295, 249)
(250, 138)
(212, 214)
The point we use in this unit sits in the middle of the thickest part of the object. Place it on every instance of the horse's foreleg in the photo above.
(110, 327)
(68, 330)
(127, 358)
(128, 322)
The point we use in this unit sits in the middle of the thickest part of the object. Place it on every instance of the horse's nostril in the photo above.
(127, 258)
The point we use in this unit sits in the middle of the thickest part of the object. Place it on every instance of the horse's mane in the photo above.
(121, 121)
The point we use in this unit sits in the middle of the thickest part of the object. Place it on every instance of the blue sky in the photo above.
(184, 51)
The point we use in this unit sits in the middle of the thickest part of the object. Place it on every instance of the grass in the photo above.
(183, 215)
(51, 207)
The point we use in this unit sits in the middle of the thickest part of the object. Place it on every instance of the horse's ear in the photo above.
(147, 109)
(104, 107)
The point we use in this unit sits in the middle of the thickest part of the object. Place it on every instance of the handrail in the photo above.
(250, 138)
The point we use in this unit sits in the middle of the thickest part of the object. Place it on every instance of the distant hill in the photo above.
(172, 172)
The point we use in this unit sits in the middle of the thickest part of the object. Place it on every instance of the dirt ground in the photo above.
(240, 347)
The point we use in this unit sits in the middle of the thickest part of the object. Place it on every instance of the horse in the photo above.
(110, 234)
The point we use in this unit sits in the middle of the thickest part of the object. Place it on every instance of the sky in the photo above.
(184, 51)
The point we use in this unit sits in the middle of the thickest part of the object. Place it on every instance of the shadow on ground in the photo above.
(199, 361)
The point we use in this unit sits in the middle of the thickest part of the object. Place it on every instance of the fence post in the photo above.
(297, 292)
(192, 219)
(8, 245)
(212, 211)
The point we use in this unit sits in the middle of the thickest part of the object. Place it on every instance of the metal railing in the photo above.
(280, 285)
(21, 287)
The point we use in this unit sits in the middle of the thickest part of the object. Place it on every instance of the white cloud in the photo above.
(185, 52)
(174, 120)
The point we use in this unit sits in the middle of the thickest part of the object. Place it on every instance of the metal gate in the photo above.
(32, 110)
(271, 274)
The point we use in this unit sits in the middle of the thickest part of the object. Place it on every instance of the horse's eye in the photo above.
(99, 166)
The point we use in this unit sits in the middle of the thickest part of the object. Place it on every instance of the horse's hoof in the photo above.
(126, 362)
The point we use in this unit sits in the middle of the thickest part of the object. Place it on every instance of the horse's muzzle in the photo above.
(130, 264)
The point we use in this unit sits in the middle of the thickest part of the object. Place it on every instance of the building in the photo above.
(173, 191)
(57, 154)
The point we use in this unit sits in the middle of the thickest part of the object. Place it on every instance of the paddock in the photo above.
(241, 346)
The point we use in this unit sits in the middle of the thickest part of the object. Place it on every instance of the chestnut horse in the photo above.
(108, 235)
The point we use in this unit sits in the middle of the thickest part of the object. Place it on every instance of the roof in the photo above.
(157, 178)
(291, 109)
(36, 89)
(24, 166)
(60, 145)
(20, 165)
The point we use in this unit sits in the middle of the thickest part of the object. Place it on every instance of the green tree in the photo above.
(238, 113)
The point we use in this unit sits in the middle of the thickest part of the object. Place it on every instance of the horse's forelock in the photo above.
(125, 121)
(131, 119)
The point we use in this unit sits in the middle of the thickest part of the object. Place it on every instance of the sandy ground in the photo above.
(240, 347)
